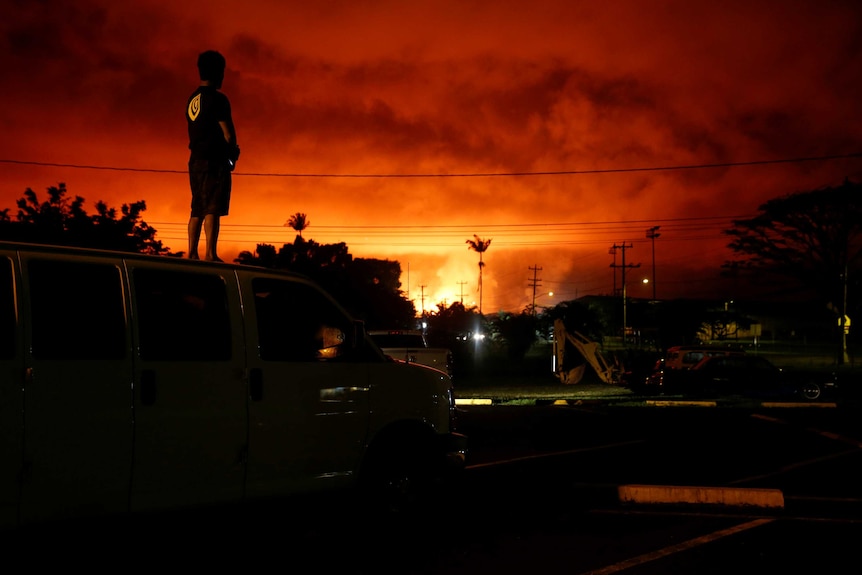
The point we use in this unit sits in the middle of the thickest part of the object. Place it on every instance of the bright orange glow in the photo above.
(404, 128)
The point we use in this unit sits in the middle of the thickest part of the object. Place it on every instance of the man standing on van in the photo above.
(214, 152)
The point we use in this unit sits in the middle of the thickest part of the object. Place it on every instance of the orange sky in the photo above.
(404, 128)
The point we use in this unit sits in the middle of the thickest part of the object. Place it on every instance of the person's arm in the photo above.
(229, 131)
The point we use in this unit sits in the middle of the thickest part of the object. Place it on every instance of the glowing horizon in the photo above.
(404, 129)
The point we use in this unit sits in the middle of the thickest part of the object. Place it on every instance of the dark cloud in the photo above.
(400, 88)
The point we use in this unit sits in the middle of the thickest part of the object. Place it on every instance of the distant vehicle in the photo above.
(748, 375)
(410, 346)
(682, 358)
(686, 357)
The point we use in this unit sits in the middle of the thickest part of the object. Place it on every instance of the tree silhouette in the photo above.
(813, 239)
(479, 245)
(298, 222)
(370, 289)
(264, 256)
(60, 221)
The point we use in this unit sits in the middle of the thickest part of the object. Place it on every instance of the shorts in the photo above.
(210, 183)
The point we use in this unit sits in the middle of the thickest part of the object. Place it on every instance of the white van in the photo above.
(135, 383)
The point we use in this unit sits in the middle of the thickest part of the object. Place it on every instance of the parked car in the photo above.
(681, 357)
(748, 375)
(686, 357)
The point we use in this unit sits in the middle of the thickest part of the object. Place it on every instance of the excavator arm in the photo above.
(589, 351)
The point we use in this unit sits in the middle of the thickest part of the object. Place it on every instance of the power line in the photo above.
(455, 175)
(513, 235)
(695, 222)
(495, 226)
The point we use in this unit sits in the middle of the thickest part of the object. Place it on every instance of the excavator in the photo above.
(569, 368)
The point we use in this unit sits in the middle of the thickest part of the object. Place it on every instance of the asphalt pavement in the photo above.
(539, 390)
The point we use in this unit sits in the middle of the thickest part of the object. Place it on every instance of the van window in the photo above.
(296, 322)
(77, 310)
(7, 310)
(183, 316)
(398, 339)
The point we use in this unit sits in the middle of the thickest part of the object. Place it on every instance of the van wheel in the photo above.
(400, 478)
(811, 391)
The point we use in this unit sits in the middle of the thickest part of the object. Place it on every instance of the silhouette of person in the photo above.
(214, 152)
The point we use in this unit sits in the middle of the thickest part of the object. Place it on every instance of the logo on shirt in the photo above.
(194, 108)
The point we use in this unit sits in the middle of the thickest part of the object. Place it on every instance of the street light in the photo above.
(535, 297)
(652, 233)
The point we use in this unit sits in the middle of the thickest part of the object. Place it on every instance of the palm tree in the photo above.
(298, 221)
(479, 245)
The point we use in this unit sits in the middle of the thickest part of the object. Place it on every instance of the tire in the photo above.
(811, 391)
(402, 477)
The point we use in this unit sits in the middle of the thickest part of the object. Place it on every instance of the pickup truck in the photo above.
(411, 346)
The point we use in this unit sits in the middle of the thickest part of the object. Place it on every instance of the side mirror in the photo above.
(331, 340)
(338, 344)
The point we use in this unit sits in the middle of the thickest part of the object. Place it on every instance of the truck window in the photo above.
(77, 310)
(183, 316)
(8, 318)
(296, 322)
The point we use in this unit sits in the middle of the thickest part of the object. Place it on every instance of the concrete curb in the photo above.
(646, 403)
(692, 495)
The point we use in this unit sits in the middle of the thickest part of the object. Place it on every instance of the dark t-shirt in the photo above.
(205, 109)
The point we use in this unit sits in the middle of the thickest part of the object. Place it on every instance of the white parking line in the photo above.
(684, 546)
(827, 434)
(794, 466)
(554, 454)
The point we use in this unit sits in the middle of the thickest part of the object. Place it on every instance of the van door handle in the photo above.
(148, 387)
(255, 384)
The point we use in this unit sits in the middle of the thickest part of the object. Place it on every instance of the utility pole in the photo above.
(843, 322)
(613, 252)
(652, 233)
(534, 285)
(422, 298)
(462, 291)
(624, 266)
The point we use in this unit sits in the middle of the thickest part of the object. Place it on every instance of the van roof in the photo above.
(166, 259)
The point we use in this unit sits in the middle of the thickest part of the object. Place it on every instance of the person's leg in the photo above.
(195, 224)
(211, 228)
(197, 182)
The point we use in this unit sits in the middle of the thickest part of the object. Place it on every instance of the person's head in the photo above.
(211, 65)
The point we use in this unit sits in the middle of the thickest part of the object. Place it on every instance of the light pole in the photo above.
(652, 233)
(536, 296)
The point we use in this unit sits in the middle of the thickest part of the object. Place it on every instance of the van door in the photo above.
(190, 396)
(78, 388)
(11, 396)
(309, 389)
